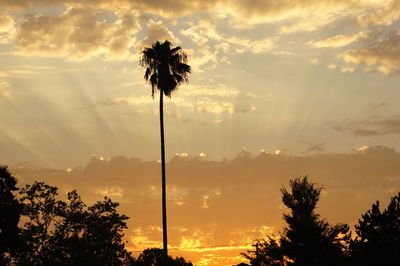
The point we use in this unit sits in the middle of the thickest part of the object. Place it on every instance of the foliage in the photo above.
(270, 253)
(378, 236)
(10, 210)
(40, 210)
(156, 257)
(69, 233)
(307, 239)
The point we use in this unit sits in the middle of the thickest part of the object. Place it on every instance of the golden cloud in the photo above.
(304, 15)
(77, 33)
(5, 93)
(339, 40)
(385, 14)
(111, 192)
(212, 46)
(4, 84)
(157, 31)
(384, 57)
(210, 98)
(7, 28)
(215, 107)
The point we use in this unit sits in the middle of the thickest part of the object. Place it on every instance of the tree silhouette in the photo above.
(307, 239)
(270, 253)
(156, 257)
(378, 236)
(91, 235)
(10, 211)
(166, 68)
(40, 210)
(69, 233)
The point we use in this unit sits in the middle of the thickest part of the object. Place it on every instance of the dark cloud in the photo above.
(367, 133)
(315, 148)
(375, 105)
(372, 128)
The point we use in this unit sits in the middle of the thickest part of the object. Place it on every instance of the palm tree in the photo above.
(166, 68)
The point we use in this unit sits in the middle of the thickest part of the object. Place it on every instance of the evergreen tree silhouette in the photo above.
(378, 236)
(307, 239)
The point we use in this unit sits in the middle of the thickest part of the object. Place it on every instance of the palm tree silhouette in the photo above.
(166, 68)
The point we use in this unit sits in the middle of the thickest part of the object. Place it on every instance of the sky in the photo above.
(295, 78)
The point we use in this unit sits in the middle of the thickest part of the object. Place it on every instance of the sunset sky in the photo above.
(280, 81)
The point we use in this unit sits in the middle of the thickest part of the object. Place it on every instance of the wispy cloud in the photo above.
(338, 40)
(373, 127)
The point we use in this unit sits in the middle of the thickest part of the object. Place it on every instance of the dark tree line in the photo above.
(310, 240)
(56, 232)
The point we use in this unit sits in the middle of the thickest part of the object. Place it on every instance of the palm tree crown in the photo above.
(166, 67)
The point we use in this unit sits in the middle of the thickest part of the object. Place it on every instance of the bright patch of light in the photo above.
(362, 149)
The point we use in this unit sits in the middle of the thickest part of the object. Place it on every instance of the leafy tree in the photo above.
(69, 233)
(93, 235)
(307, 239)
(156, 257)
(41, 209)
(10, 211)
(270, 253)
(378, 236)
(166, 69)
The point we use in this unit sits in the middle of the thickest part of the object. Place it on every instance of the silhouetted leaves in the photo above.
(166, 68)
(307, 239)
(69, 233)
(156, 257)
(10, 210)
(270, 253)
(378, 236)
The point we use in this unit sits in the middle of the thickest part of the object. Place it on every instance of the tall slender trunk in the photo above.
(164, 192)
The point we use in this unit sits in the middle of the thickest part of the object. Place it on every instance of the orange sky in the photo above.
(217, 208)
(311, 85)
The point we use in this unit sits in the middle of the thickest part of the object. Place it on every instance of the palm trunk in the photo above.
(164, 192)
